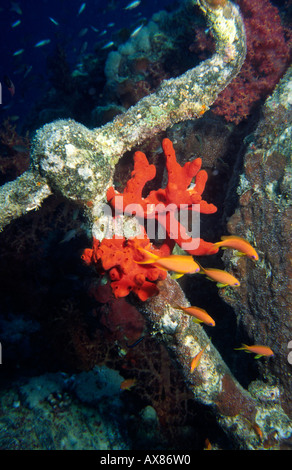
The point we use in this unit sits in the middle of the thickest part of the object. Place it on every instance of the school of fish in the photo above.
(185, 264)
(25, 69)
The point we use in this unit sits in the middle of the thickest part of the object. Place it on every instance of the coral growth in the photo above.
(118, 256)
(267, 58)
(264, 302)
(164, 204)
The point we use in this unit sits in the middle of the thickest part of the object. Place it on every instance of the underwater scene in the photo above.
(145, 227)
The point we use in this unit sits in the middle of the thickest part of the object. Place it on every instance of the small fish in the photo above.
(53, 21)
(42, 43)
(103, 33)
(110, 25)
(136, 31)
(108, 45)
(16, 23)
(83, 48)
(257, 349)
(200, 315)
(18, 52)
(182, 264)
(82, 32)
(9, 85)
(104, 281)
(132, 5)
(81, 9)
(127, 384)
(94, 29)
(256, 429)
(8, 106)
(196, 360)
(240, 244)
(222, 278)
(208, 445)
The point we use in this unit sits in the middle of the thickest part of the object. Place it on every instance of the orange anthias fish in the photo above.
(208, 445)
(182, 264)
(196, 360)
(257, 349)
(243, 247)
(127, 384)
(223, 278)
(201, 316)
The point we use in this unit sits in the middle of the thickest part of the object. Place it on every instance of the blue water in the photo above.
(28, 70)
